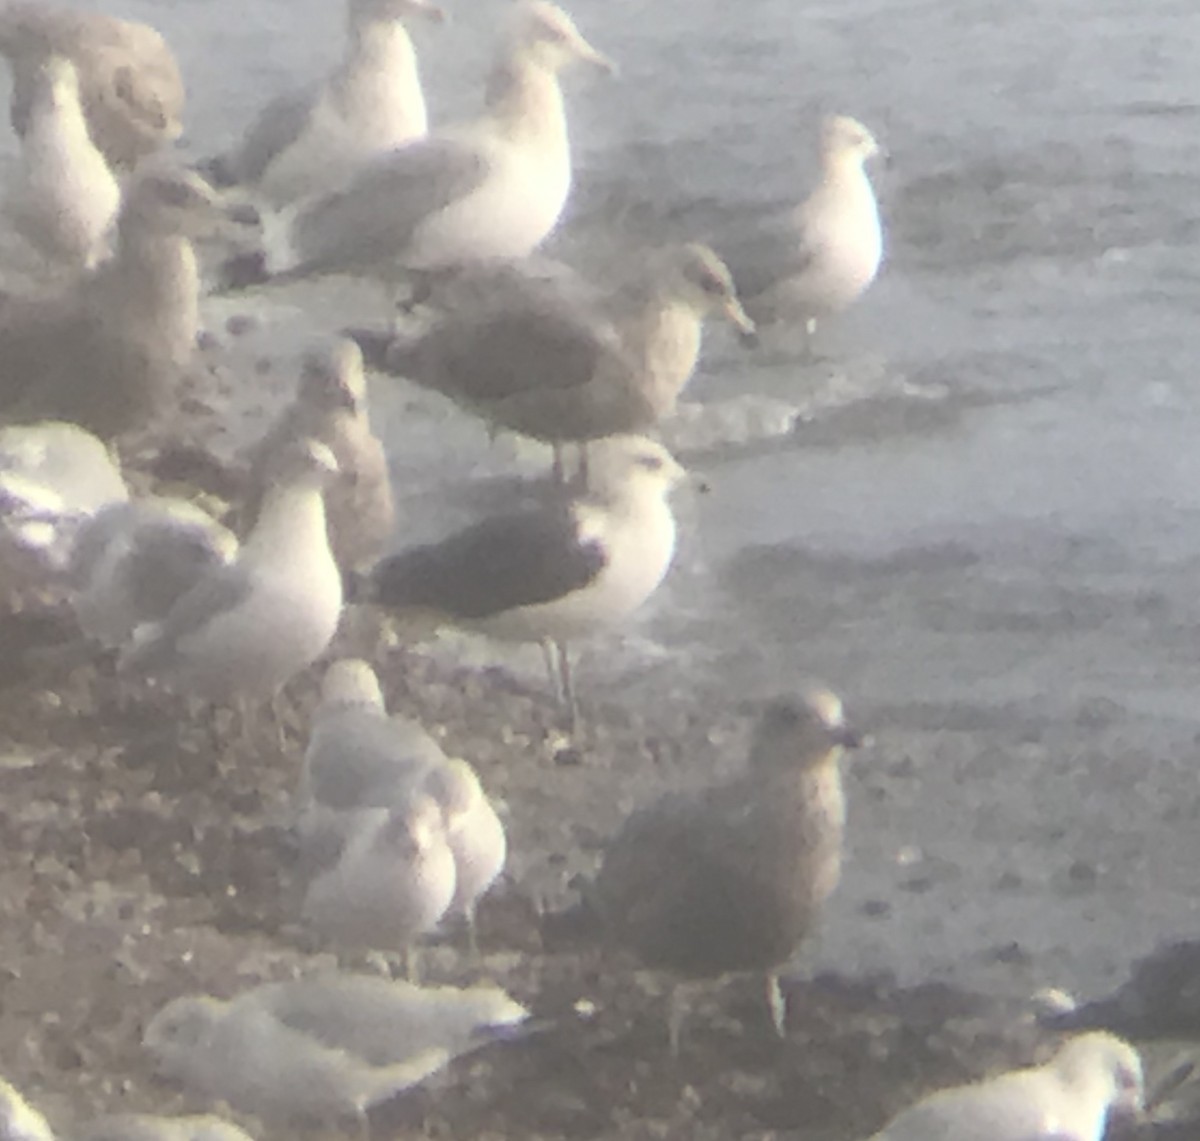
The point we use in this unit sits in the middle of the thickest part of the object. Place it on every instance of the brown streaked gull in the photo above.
(492, 188)
(540, 352)
(331, 406)
(66, 198)
(733, 878)
(131, 562)
(391, 884)
(107, 353)
(567, 568)
(311, 141)
(825, 254)
(1092, 1077)
(325, 1047)
(130, 82)
(246, 628)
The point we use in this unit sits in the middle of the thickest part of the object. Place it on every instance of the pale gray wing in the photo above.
(278, 125)
(373, 219)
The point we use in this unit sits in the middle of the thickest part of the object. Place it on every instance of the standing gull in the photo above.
(331, 406)
(539, 351)
(1070, 1098)
(130, 83)
(107, 353)
(246, 628)
(311, 141)
(131, 562)
(732, 879)
(357, 757)
(562, 570)
(66, 198)
(493, 188)
(825, 254)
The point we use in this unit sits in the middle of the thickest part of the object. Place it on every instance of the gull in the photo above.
(331, 406)
(130, 83)
(246, 628)
(535, 349)
(492, 188)
(107, 353)
(474, 833)
(1070, 1098)
(19, 1121)
(357, 757)
(568, 568)
(324, 1047)
(309, 142)
(733, 878)
(66, 198)
(826, 253)
(148, 1127)
(132, 562)
(392, 883)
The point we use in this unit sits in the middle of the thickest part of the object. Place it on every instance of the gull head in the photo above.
(351, 682)
(414, 828)
(1109, 1066)
(332, 377)
(545, 34)
(802, 731)
(624, 466)
(455, 787)
(845, 139)
(303, 463)
(705, 283)
(181, 1028)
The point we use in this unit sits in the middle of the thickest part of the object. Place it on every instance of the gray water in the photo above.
(990, 517)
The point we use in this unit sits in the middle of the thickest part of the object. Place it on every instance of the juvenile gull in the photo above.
(561, 570)
(392, 883)
(733, 878)
(148, 1127)
(826, 253)
(331, 406)
(311, 141)
(492, 188)
(107, 353)
(323, 1047)
(131, 562)
(357, 757)
(1070, 1098)
(66, 197)
(540, 352)
(131, 86)
(246, 628)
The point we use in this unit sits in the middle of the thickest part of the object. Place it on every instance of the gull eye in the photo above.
(650, 462)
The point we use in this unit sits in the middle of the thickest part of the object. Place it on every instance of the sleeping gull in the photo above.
(331, 406)
(107, 352)
(357, 757)
(493, 188)
(66, 198)
(19, 1121)
(826, 253)
(131, 562)
(391, 884)
(246, 628)
(561, 570)
(310, 141)
(323, 1047)
(733, 878)
(148, 1127)
(541, 352)
(1070, 1098)
(131, 86)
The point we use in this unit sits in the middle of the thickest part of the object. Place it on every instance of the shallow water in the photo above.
(991, 514)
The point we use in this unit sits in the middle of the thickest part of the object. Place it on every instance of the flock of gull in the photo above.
(346, 177)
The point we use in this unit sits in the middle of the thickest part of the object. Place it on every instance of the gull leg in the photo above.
(557, 473)
(776, 1003)
(567, 685)
(677, 1008)
(472, 933)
